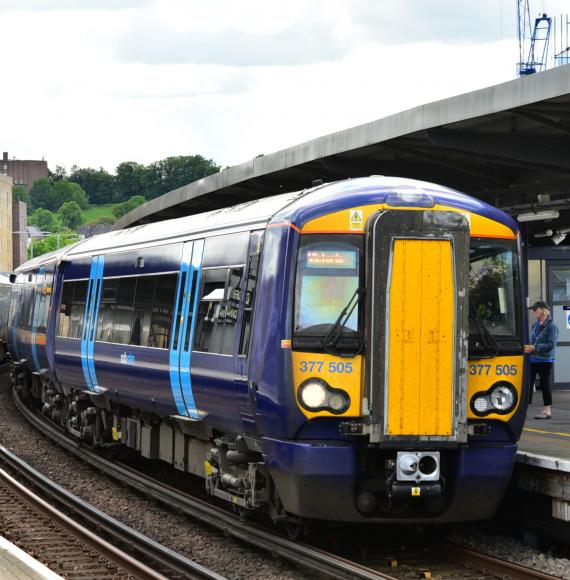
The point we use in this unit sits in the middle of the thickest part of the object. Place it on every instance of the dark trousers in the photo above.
(544, 371)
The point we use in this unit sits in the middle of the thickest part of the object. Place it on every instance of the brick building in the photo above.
(5, 223)
(23, 172)
(19, 232)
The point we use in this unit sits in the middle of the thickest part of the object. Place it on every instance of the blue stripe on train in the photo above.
(186, 355)
(188, 286)
(177, 324)
(91, 337)
(86, 318)
(90, 322)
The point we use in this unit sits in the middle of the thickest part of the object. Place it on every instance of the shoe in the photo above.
(543, 416)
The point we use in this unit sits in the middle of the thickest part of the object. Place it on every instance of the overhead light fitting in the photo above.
(545, 234)
(534, 216)
(558, 238)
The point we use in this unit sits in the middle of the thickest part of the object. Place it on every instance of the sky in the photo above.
(97, 82)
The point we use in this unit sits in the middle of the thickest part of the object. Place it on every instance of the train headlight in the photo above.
(481, 404)
(501, 399)
(313, 394)
(316, 395)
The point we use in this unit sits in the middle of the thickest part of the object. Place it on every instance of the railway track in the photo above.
(302, 554)
(71, 547)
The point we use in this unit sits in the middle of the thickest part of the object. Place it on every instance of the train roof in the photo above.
(297, 207)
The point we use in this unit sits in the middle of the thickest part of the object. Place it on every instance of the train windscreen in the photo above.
(493, 284)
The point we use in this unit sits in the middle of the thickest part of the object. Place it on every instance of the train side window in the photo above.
(123, 314)
(31, 290)
(163, 310)
(64, 323)
(107, 308)
(142, 315)
(45, 301)
(230, 310)
(218, 311)
(208, 331)
(78, 308)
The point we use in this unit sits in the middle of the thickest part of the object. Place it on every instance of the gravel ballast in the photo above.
(204, 545)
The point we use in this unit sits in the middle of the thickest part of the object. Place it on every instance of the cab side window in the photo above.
(217, 314)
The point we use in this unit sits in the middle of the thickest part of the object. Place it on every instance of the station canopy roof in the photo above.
(507, 144)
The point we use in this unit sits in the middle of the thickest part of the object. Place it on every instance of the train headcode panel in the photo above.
(352, 352)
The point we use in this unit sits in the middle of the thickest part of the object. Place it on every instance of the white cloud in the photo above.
(230, 80)
(50, 5)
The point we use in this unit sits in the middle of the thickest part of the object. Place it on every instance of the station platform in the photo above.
(17, 565)
(546, 443)
(543, 467)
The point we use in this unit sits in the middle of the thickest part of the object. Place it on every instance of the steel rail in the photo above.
(299, 553)
(116, 530)
(491, 564)
(101, 546)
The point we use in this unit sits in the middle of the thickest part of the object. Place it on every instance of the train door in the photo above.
(244, 388)
(417, 306)
(39, 283)
(217, 372)
(184, 326)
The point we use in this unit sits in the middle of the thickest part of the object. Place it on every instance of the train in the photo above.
(5, 299)
(352, 352)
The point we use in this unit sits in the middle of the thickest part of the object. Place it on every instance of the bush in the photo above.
(124, 208)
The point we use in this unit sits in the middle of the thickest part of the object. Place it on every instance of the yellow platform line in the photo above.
(546, 432)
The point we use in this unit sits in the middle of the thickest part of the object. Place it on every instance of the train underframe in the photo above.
(344, 480)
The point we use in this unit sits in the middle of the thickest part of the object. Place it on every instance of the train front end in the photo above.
(406, 357)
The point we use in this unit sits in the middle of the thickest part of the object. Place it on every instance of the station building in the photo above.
(6, 255)
(23, 171)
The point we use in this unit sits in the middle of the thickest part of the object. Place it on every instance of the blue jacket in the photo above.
(544, 339)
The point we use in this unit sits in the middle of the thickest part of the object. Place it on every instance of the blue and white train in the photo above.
(350, 352)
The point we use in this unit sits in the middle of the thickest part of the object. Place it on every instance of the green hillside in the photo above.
(98, 211)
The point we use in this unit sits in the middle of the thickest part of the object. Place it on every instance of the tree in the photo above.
(173, 172)
(57, 175)
(123, 208)
(65, 190)
(51, 243)
(42, 196)
(130, 180)
(44, 220)
(70, 215)
(97, 183)
(19, 193)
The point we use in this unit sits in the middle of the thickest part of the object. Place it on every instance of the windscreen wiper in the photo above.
(332, 336)
(487, 339)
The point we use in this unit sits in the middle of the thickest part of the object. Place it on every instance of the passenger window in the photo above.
(123, 315)
(45, 301)
(31, 290)
(78, 309)
(107, 308)
(64, 326)
(144, 298)
(218, 311)
(162, 312)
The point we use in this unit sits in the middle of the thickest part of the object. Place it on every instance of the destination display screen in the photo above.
(331, 259)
